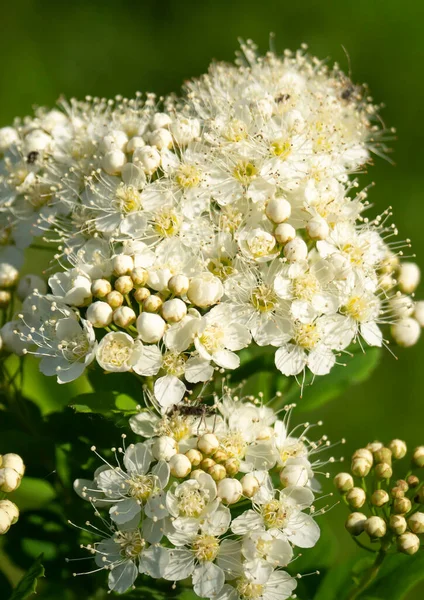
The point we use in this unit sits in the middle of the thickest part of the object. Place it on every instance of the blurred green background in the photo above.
(103, 47)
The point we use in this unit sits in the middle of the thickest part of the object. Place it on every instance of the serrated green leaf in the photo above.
(28, 584)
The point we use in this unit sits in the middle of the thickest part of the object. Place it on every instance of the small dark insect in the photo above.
(195, 410)
(347, 93)
(282, 97)
(32, 157)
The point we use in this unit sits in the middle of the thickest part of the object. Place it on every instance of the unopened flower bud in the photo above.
(413, 481)
(295, 250)
(100, 288)
(10, 479)
(401, 306)
(164, 448)
(232, 466)
(343, 482)
(398, 448)
(11, 509)
(205, 290)
(380, 498)
(151, 327)
(419, 312)
(122, 264)
(160, 120)
(115, 299)
(408, 543)
(230, 490)
(139, 275)
(406, 332)
(28, 284)
(418, 456)
(397, 492)
(355, 523)
(284, 233)
(356, 497)
(152, 303)
(5, 298)
(114, 161)
(416, 522)
(296, 475)
(250, 485)
(383, 455)
(402, 484)
(185, 130)
(194, 456)
(374, 446)
(397, 524)
(8, 275)
(220, 456)
(207, 463)
(13, 461)
(124, 284)
(217, 472)
(148, 158)
(364, 453)
(360, 467)
(318, 228)
(401, 506)
(208, 443)
(161, 138)
(178, 285)
(375, 527)
(141, 294)
(174, 310)
(5, 521)
(408, 277)
(134, 143)
(278, 210)
(124, 316)
(180, 465)
(115, 140)
(99, 314)
(383, 471)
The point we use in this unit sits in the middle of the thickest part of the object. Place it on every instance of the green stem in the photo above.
(368, 577)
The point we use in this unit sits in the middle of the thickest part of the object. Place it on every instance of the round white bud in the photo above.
(114, 161)
(28, 284)
(343, 482)
(151, 327)
(152, 303)
(317, 229)
(278, 210)
(37, 141)
(379, 498)
(229, 490)
(297, 475)
(208, 443)
(356, 497)
(164, 448)
(418, 456)
(174, 310)
(419, 312)
(161, 138)
(124, 316)
(99, 314)
(296, 250)
(10, 479)
(398, 449)
(13, 461)
(139, 276)
(360, 467)
(249, 484)
(217, 472)
(124, 284)
(8, 136)
(135, 143)
(194, 456)
(180, 465)
(122, 264)
(140, 294)
(397, 524)
(355, 523)
(11, 509)
(5, 298)
(408, 543)
(115, 140)
(205, 290)
(100, 288)
(8, 275)
(5, 521)
(284, 233)
(402, 306)
(185, 130)
(406, 332)
(416, 522)
(409, 277)
(115, 299)
(179, 284)
(148, 158)
(375, 527)
(366, 453)
(160, 120)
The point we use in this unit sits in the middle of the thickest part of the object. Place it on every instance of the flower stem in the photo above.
(368, 576)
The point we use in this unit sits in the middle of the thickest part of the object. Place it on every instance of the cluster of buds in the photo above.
(12, 470)
(385, 508)
(221, 492)
(11, 282)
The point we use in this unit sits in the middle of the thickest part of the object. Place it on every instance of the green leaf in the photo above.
(398, 575)
(105, 403)
(28, 584)
(33, 494)
(337, 582)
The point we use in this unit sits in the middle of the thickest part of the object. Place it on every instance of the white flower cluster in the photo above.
(220, 493)
(12, 470)
(194, 228)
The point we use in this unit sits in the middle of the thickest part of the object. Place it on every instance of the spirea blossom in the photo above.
(189, 229)
(221, 493)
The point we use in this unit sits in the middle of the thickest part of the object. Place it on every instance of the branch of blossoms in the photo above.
(12, 470)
